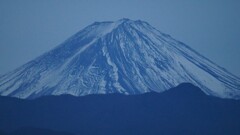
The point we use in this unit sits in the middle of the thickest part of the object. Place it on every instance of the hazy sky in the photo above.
(29, 28)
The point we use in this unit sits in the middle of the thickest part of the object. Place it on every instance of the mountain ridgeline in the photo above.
(183, 110)
(125, 56)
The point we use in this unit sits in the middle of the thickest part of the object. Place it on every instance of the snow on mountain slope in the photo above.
(129, 57)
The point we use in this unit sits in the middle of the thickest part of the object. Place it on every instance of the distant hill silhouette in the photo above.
(184, 110)
(35, 131)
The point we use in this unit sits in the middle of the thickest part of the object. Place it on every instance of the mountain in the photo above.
(34, 131)
(184, 110)
(125, 56)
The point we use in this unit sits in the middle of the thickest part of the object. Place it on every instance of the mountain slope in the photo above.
(129, 57)
(184, 110)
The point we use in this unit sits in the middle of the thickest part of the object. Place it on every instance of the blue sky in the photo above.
(29, 28)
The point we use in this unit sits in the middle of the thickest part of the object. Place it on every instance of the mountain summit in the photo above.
(125, 56)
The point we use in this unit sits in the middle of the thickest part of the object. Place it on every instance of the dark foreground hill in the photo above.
(183, 110)
(35, 131)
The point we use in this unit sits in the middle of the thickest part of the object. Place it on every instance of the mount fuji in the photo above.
(125, 56)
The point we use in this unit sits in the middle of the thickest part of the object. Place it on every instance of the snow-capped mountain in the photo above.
(126, 56)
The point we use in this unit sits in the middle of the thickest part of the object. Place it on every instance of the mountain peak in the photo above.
(119, 22)
(129, 21)
(124, 20)
(125, 56)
